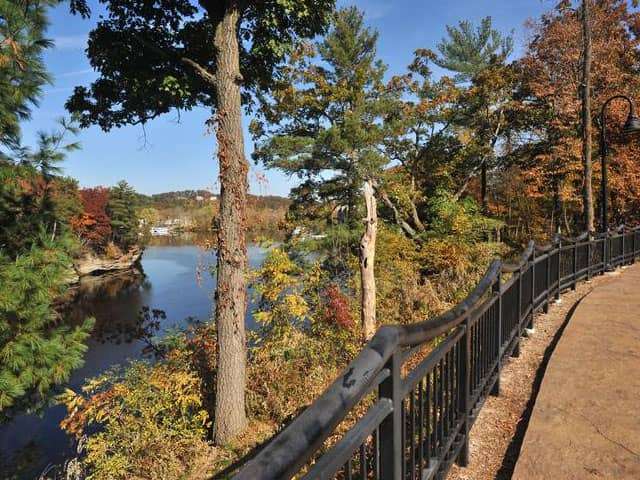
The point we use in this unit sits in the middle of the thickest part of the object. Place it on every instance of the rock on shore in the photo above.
(90, 264)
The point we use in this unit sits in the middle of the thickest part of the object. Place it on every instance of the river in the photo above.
(176, 279)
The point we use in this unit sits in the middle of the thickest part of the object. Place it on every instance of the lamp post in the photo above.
(632, 125)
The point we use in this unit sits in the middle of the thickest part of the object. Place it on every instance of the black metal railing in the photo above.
(416, 420)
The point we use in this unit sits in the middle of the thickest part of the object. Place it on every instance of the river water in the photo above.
(176, 279)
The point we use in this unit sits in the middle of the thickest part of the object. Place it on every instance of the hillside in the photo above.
(196, 210)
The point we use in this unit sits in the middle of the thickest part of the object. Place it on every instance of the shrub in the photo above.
(152, 422)
(112, 251)
(302, 345)
(336, 311)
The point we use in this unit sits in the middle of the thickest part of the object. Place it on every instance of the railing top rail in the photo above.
(579, 238)
(524, 258)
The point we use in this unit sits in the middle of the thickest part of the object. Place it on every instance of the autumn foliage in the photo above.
(551, 105)
(93, 225)
(467, 167)
(336, 310)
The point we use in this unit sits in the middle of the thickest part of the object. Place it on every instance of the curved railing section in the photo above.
(419, 407)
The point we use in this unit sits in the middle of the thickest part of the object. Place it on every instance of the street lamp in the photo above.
(632, 125)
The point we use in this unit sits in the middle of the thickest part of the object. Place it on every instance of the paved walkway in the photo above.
(586, 420)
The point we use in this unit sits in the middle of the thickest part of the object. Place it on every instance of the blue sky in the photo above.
(181, 155)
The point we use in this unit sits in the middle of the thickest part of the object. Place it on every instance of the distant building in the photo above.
(160, 231)
(303, 234)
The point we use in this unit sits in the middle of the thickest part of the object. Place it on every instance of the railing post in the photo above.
(575, 265)
(464, 399)
(497, 291)
(559, 268)
(391, 427)
(547, 282)
(516, 349)
(533, 288)
(589, 256)
(633, 246)
(605, 249)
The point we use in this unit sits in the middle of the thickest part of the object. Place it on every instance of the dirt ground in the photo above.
(499, 430)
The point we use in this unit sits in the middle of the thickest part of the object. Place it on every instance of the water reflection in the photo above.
(174, 281)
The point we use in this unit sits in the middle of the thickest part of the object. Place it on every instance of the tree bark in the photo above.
(483, 187)
(587, 190)
(367, 262)
(415, 217)
(231, 294)
(557, 210)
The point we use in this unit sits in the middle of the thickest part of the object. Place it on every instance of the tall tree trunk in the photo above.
(465, 184)
(367, 262)
(483, 187)
(231, 294)
(587, 191)
(557, 211)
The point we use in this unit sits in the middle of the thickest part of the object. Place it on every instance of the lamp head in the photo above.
(632, 125)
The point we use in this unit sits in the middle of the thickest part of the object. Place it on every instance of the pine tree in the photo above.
(469, 50)
(33, 196)
(478, 55)
(328, 111)
(36, 352)
(122, 211)
(22, 69)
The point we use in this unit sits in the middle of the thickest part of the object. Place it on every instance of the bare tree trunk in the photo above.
(587, 191)
(231, 295)
(367, 262)
(557, 212)
(567, 228)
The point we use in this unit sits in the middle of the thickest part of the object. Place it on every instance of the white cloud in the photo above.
(70, 42)
(59, 90)
(76, 73)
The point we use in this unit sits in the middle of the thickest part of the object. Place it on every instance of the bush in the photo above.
(152, 422)
(301, 345)
(112, 251)
(336, 310)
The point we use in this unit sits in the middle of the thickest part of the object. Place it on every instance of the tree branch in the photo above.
(396, 214)
(202, 72)
(467, 179)
(205, 74)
